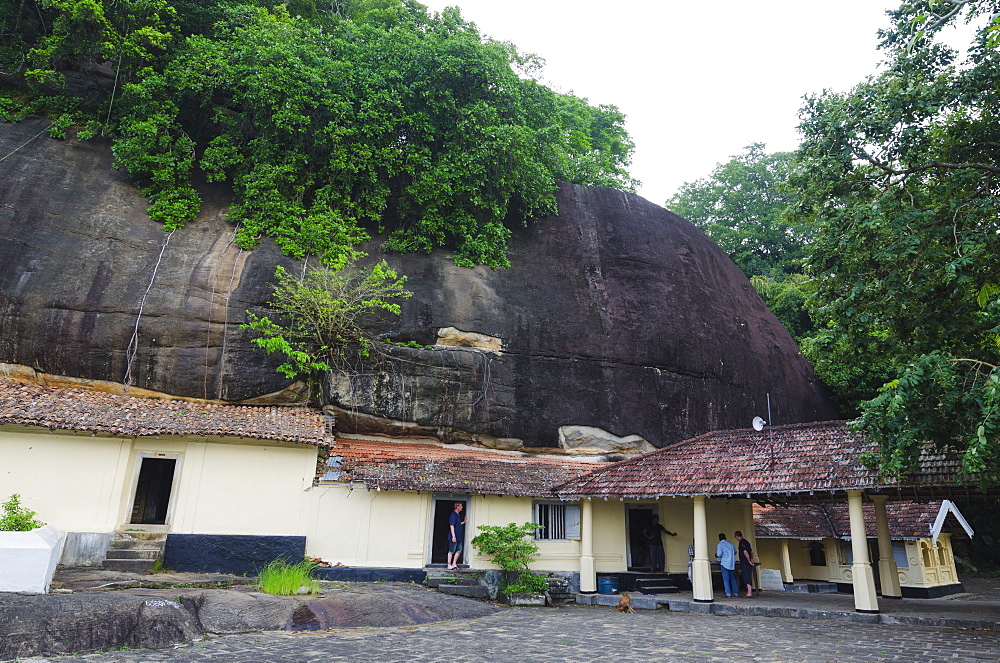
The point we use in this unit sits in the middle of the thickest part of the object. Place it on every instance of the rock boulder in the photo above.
(615, 314)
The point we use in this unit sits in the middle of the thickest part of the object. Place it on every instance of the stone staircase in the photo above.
(458, 582)
(655, 583)
(135, 551)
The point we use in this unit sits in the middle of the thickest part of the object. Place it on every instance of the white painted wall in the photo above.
(28, 559)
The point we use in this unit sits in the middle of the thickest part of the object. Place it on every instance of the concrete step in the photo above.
(446, 581)
(812, 587)
(131, 565)
(647, 584)
(638, 602)
(471, 591)
(149, 536)
(151, 554)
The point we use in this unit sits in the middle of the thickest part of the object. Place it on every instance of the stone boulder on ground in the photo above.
(50, 624)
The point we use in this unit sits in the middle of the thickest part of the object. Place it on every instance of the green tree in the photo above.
(512, 547)
(899, 181)
(324, 317)
(741, 206)
(331, 120)
(17, 518)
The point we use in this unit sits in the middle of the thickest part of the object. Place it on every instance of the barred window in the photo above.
(899, 554)
(557, 520)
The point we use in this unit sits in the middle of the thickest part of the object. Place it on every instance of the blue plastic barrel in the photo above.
(606, 585)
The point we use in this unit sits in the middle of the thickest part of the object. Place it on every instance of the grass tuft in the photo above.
(284, 579)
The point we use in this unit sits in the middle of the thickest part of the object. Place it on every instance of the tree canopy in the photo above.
(330, 120)
(742, 205)
(898, 179)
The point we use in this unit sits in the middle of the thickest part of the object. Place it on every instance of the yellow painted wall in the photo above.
(769, 552)
(73, 482)
(392, 529)
(929, 566)
(78, 482)
(362, 527)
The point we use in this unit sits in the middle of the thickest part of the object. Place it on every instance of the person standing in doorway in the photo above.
(654, 535)
(456, 535)
(746, 562)
(726, 552)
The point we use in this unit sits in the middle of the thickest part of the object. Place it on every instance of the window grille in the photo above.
(557, 520)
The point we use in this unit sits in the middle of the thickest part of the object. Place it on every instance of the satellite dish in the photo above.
(758, 423)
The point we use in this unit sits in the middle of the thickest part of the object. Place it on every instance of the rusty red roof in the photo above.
(797, 459)
(906, 519)
(406, 466)
(83, 410)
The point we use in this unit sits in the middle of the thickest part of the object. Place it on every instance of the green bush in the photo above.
(16, 518)
(284, 579)
(513, 550)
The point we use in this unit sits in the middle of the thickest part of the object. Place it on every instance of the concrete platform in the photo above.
(977, 608)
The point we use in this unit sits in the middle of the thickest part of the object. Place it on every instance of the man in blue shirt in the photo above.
(726, 552)
(456, 535)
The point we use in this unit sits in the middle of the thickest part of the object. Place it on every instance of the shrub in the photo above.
(16, 518)
(280, 577)
(512, 550)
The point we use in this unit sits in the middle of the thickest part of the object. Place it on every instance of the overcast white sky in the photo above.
(698, 80)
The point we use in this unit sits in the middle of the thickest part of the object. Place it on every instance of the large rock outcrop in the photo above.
(615, 315)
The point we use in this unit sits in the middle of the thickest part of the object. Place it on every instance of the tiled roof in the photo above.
(804, 521)
(789, 460)
(907, 520)
(404, 466)
(82, 410)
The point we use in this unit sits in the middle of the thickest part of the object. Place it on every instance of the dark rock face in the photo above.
(77, 255)
(615, 314)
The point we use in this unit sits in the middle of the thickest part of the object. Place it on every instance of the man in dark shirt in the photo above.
(653, 533)
(746, 562)
(456, 535)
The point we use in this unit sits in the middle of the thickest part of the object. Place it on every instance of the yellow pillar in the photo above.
(887, 571)
(786, 562)
(865, 599)
(701, 568)
(588, 578)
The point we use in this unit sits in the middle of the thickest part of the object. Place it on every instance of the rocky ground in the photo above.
(193, 617)
(100, 610)
(587, 634)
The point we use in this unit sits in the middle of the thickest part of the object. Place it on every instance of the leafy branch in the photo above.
(512, 548)
(324, 317)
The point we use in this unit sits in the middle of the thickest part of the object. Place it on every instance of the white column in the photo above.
(701, 569)
(786, 562)
(865, 599)
(588, 578)
(887, 572)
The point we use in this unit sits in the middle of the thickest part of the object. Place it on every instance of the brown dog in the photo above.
(625, 604)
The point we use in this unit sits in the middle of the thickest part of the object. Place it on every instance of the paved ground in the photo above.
(583, 633)
(524, 635)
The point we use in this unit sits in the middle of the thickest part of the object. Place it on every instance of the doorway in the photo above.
(639, 518)
(152, 491)
(443, 506)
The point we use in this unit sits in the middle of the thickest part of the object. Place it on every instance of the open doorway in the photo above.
(152, 491)
(639, 518)
(443, 506)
